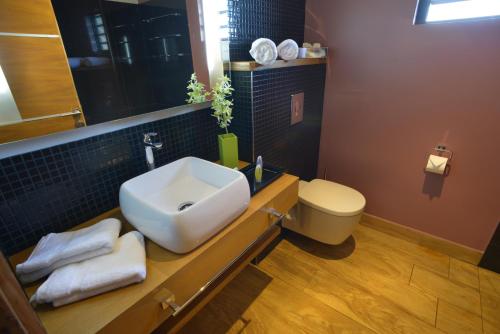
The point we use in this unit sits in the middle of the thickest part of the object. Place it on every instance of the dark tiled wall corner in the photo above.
(274, 19)
(241, 125)
(294, 147)
(57, 188)
(262, 103)
(491, 257)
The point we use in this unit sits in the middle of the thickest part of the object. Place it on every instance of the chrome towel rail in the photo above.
(169, 301)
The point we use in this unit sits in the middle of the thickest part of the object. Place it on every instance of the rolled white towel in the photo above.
(59, 249)
(264, 51)
(288, 49)
(124, 266)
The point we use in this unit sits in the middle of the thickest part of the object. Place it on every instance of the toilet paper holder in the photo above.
(441, 149)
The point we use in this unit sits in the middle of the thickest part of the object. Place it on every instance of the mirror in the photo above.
(126, 58)
(122, 58)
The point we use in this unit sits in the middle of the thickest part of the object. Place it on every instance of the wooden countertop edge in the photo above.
(158, 272)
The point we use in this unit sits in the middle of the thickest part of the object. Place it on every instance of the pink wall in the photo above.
(393, 92)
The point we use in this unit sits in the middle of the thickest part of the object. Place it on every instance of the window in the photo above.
(216, 32)
(97, 33)
(429, 11)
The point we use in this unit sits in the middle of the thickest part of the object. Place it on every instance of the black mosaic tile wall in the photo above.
(264, 114)
(274, 19)
(295, 148)
(242, 122)
(57, 188)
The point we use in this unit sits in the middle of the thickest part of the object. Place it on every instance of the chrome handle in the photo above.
(148, 140)
(166, 299)
(148, 136)
(170, 303)
(275, 213)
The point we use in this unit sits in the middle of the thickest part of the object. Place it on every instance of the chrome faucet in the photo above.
(150, 145)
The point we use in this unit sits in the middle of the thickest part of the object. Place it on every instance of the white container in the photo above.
(302, 53)
(317, 52)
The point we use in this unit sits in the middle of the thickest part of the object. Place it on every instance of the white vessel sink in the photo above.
(181, 205)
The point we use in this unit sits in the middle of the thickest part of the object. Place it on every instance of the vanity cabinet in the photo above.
(177, 285)
(37, 74)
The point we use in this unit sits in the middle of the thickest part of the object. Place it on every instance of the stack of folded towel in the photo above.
(84, 263)
(59, 249)
(124, 266)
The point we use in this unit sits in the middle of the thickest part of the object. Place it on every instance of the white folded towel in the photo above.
(288, 49)
(124, 266)
(59, 249)
(264, 51)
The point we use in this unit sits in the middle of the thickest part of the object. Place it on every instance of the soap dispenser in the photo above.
(259, 167)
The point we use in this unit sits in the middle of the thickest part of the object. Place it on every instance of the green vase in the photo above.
(228, 150)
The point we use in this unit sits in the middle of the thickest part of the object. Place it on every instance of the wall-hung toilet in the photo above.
(327, 211)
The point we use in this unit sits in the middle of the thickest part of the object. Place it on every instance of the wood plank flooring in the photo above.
(373, 283)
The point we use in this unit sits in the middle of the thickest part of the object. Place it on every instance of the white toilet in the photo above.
(327, 211)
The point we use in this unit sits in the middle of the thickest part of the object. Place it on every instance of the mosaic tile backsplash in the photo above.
(242, 124)
(294, 147)
(54, 189)
(274, 19)
(263, 100)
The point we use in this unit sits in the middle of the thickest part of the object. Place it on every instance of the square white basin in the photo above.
(181, 205)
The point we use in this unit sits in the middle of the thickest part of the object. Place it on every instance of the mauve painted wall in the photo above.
(393, 92)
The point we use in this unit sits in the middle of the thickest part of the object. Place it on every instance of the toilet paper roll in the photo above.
(436, 164)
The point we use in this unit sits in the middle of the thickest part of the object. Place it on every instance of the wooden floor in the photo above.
(373, 283)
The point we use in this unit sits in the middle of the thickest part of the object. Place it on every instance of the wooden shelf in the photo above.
(118, 311)
(246, 66)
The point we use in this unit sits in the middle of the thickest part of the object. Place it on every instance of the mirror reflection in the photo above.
(126, 57)
(85, 62)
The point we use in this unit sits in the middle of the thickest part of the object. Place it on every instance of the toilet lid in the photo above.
(332, 198)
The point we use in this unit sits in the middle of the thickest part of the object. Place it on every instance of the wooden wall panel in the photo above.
(39, 76)
(19, 131)
(28, 17)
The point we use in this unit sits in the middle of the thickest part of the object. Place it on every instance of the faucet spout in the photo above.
(150, 146)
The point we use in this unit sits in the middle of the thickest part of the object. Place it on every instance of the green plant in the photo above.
(221, 104)
(196, 91)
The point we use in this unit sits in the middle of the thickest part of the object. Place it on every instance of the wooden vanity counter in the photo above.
(140, 308)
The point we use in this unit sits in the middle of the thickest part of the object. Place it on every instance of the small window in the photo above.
(429, 11)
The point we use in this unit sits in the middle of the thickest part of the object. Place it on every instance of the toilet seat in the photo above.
(331, 198)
